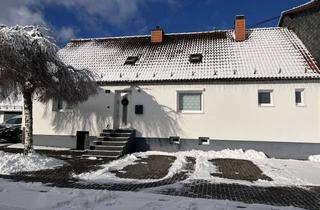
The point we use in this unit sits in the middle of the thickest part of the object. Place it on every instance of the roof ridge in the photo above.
(168, 34)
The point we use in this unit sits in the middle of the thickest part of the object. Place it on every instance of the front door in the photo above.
(120, 116)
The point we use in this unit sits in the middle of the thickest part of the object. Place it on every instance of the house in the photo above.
(241, 88)
(304, 20)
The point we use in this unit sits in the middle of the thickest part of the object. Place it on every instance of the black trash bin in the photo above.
(82, 140)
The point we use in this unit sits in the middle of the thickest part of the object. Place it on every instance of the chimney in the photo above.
(157, 35)
(240, 28)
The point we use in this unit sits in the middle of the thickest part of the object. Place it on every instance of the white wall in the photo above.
(1, 117)
(231, 112)
(93, 115)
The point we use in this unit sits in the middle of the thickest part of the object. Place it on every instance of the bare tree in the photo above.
(30, 65)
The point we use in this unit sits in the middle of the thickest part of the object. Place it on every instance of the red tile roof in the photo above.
(267, 53)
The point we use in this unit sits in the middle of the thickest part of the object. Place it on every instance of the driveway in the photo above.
(150, 173)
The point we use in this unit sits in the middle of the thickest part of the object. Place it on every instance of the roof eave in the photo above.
(298, 9)
(246, 79)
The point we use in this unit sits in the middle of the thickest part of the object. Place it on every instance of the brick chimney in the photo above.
(157, 35)
(240, 28)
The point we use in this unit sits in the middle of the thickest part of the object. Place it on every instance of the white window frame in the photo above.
(190, 111)
(271, 104)
(302, 91)
(64, 107)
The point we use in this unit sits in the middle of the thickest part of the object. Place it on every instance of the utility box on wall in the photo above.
(138, 109)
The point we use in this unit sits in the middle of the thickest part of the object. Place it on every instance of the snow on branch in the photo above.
(29, 63)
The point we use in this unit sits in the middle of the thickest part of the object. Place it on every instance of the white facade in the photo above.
(229, 111)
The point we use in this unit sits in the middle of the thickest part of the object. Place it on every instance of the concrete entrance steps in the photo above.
(112, 144)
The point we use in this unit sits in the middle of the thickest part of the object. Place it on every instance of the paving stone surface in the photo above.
(306, 197)
(151, 167)
(277, 196)
(238, 169)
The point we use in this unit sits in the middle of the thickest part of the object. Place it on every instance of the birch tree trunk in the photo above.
(28, 137)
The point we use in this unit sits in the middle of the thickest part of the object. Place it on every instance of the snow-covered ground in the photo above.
(21, 146)
(283, 172)
(314, 158)
(105, 175)
(19, 195)
(11, 163)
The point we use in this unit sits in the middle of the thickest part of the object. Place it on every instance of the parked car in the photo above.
(10, 130)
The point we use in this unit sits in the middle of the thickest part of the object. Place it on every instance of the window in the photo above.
(204, 140)
(11, 121)
(195, 58)
(174, 139)
(14, 121)
(299, 97)
(9, 115)
(60, 105)
(265, 98)
(131, 60)
(190, 101)
(67, 106)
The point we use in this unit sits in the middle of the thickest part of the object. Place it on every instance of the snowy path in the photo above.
(283, 172)
(24, 196)
(155, 194)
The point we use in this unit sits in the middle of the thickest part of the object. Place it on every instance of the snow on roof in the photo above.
(268, 53)
(308, 5)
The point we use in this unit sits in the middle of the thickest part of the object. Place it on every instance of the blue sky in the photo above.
(99, 18)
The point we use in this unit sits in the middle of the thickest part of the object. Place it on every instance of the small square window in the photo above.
(195, 58)
(190, 101)
(131, 60)
(299, 97)
(265, 97)
(204, 140)
(68, 106)
(60, 105)
(174, 139)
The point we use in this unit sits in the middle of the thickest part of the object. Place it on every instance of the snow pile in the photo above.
(104, 175)
(203, 167)
(12, 163)
(21, 146)
(226, 153)
(19, 195)
(314, 158)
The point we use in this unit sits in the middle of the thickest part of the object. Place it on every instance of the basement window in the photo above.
(204, 140)
(174, 139)
(265, 98)
(195, 58)
(131, 60)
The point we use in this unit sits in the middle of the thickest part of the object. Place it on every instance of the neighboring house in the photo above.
(251, 89)
(9, 108)
(304, 20)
